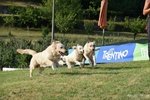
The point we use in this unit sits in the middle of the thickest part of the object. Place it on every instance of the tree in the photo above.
(66, 14)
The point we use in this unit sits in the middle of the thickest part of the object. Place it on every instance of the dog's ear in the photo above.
(54, 41)
(74, 47)
(54, 44)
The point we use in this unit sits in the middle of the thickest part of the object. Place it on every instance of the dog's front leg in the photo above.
(50, 63)
(94, 60)
(87, 58)
(83, 62)
(53, 66)
(68, 64)
(79, 63)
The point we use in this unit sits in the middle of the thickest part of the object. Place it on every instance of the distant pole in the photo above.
(53, 9)
(103, 37)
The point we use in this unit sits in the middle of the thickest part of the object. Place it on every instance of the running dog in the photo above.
(75, 57)
(49, 57)
(89, 53)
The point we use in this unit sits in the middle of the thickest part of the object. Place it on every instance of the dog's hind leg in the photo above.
(83, 62)
(33, 64)
(91, 61)
(31, 69)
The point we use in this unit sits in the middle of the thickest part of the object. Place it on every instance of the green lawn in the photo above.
(116, 81)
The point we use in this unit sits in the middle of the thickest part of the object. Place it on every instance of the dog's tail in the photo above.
(26, 51)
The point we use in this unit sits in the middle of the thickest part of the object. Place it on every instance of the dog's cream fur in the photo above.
(75, 57)
(89, 53)
(48, 57)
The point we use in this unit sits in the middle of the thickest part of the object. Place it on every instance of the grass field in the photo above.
(116, 81)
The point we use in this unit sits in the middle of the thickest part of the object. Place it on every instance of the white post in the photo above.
(53, 8)
(103, 36)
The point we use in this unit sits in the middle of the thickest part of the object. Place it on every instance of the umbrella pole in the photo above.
(103, 36)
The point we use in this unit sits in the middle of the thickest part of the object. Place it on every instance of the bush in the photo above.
(9, 56)
(1, 21)
(137, 25)
(89, 26)
(116, 26)
(79, 25)
(29, 16)
(67, 12)
(45, 31)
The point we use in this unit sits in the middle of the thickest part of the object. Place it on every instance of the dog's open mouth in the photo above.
(61, 53)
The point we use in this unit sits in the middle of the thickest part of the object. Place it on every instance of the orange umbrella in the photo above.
(102, 22)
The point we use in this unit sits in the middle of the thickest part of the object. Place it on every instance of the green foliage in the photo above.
(47, 10)
(66, 14)
(42, 43)
(2, 44)
(89, 26)
(29, 17)
(9, 56)
(112, 24)
(65, 23)
(92, 10)
(45, 31)
(9, 20)
(137, 25)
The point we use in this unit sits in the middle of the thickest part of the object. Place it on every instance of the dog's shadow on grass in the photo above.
(85, 73)
(101, 70)
(110, 68)
(113, 68)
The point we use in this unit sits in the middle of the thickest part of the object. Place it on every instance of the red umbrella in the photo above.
(102, 22)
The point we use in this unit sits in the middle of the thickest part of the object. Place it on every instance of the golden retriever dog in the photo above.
(89, 53)
(75, 57)
(48, 57)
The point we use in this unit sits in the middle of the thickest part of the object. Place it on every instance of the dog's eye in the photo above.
(61, 47)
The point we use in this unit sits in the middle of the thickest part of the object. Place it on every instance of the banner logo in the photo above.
(111, 54)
